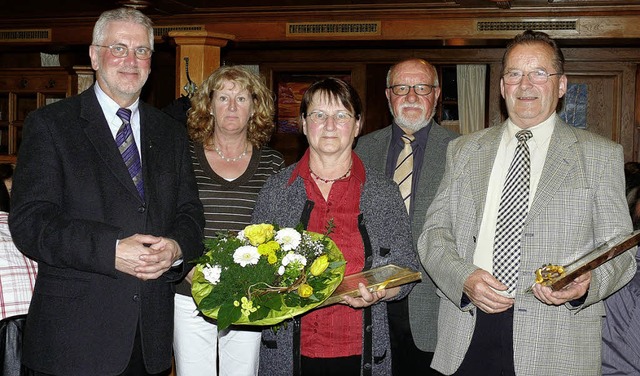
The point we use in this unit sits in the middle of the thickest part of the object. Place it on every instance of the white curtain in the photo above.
(471, 97)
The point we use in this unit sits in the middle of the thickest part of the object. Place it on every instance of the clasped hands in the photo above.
(483, 289)
(146, 256)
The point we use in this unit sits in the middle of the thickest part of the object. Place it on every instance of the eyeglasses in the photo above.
(538, 76)
(321, 117)
(120, 50)
(419, 89)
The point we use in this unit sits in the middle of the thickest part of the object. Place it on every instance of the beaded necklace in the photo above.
(330, 180)
(226, 159)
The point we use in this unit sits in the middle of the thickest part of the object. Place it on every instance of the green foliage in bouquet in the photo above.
(265, 274)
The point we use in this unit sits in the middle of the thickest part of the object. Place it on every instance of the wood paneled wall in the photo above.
(610, 75)
(600, 44)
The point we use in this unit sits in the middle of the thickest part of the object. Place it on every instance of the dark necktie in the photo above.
(514, 205)
(403, 174)
(127, 146)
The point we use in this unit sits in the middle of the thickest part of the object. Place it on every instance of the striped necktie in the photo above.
(514, 206)
(127, 146)
(404, 170)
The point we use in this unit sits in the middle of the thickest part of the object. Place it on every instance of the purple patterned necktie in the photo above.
(127, 146)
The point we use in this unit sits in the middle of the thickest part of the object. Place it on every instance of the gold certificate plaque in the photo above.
(375, 279)
(557, 276)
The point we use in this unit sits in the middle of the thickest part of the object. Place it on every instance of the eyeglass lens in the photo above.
(419, 89)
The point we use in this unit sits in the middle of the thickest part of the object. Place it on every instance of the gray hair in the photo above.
(123, 14)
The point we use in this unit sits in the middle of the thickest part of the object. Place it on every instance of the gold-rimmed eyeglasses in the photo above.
(538, 76)
(321, 117)
(419, 89)
(120, 50)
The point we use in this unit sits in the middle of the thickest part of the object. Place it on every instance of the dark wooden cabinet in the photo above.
(24, 90)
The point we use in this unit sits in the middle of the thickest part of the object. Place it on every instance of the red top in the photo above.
(336, 330)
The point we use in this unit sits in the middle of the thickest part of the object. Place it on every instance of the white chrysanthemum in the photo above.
(291, 257)
(212, 273)
(241, 236)
(288, 238)
(281, 270)
(245, 255)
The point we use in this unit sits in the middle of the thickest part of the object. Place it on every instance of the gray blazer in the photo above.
(387, 227)
(579, 204)
(373, 149)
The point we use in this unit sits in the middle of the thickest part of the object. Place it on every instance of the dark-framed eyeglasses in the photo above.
(321, 117)
(419, 89)
(120, 50)
(538, 76)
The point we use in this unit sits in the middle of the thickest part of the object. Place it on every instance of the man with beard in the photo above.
(105, 200)
(412, 92)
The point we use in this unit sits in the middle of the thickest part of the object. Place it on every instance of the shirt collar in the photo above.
(110, 107)
(420, 135)
(302, 168)
(541, 132)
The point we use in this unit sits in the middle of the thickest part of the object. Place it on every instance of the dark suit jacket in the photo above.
(72, 200)
(373, 149)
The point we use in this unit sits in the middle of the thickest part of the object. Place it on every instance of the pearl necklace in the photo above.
(330, 180)
(226, 159)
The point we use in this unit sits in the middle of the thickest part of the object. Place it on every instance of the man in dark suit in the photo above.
(109, 231)
(412, 92)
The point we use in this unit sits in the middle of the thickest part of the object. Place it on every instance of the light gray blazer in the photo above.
(373, 149)
(579, 203)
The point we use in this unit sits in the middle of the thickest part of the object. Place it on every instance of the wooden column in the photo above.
(202, 48)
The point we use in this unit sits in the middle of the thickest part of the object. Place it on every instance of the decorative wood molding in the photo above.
(324, 29)
(25, 35)
(202, 48)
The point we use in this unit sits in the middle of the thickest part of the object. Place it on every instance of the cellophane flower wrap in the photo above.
(265, 274)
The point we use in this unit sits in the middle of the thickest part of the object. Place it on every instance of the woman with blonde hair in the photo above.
(229, 123)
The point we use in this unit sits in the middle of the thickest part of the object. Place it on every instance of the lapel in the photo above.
(561, 159)
(481, 164)
(151, 146)
(379, 157)
(433, 162)
(97, 130)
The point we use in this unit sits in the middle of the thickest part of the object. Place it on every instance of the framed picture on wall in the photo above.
(289, 88)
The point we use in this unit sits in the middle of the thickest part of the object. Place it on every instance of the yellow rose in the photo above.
(258, 234)
(319, 265)
(305, 290)
(268, 248)
(272, 258)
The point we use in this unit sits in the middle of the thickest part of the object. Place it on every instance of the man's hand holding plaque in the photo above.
(557, 284)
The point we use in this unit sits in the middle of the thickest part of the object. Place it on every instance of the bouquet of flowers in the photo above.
(265, 274)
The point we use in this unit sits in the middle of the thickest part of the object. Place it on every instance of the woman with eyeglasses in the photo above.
(331, 187)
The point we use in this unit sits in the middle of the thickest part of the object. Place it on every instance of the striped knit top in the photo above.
(228, 205)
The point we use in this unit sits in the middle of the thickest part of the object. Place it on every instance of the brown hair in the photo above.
(334, 89)
(531, 37)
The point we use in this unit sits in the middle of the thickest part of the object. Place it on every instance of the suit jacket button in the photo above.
(368, 328)
(142, 209)
(136, 297)
(367, 366)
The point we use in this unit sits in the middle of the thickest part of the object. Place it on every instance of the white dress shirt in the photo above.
(538, 146)
(110, 107)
